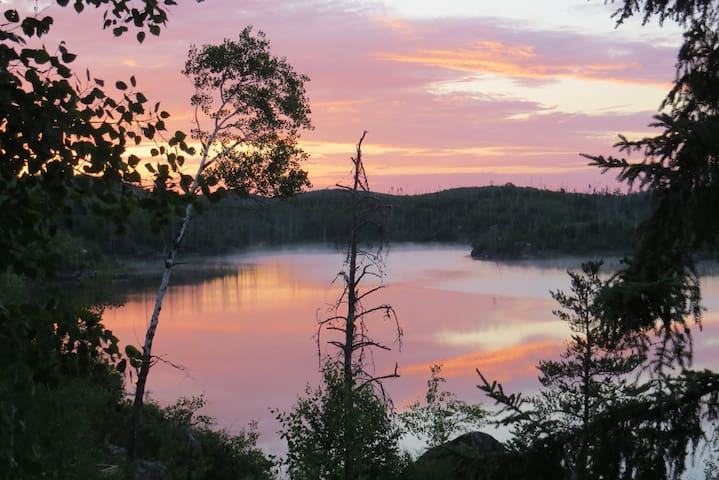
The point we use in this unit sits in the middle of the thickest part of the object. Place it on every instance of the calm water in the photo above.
(247, 335)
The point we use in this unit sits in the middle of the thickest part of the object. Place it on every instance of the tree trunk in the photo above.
(351, 280)
(150, 336)
(154, 320)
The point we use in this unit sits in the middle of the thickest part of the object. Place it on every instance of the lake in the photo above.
(244, 326)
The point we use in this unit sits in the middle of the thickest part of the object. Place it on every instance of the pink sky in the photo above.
(452, 94)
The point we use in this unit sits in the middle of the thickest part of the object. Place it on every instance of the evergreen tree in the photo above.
(658, 289)
(591, 378)
(657, 293)
(592, 375)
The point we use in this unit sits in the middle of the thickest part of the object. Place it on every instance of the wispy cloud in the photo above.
(453, 98)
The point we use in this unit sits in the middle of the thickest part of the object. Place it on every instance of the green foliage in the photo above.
(659, 287)
(58, 374)
(644, 429)
(256, 106)
(512, 222)
(657, 294)
(596, 419)
(442, 415)
(315, 432)
(344, 429)
(63, 144)
(57, 383)
(498, 221)
(63, 150)
(186, 443)
(681, 11)
(62, 432)
(592, 375)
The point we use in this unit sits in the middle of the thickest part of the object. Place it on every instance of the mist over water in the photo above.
(244, 327)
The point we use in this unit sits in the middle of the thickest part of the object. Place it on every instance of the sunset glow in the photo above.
(466, 93)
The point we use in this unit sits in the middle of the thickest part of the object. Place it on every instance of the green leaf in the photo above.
(12, 16)
(132, 352)
(41, 56)
(120, 85)
(133, 177)
(133, 82)
(140, 37)
(68, 57)
(149, 132)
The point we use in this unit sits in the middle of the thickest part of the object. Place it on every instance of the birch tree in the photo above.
(249, 107)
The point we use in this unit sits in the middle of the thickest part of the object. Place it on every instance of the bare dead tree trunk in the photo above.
(350, 318)
(349, 343)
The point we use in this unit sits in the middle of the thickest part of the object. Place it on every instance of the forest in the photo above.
(497, 222)
(622, 401)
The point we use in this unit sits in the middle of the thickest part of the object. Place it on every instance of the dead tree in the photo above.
(351, 313)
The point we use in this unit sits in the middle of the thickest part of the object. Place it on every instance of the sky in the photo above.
(453, 93)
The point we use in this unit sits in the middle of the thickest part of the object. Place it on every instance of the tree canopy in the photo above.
(63, 140)
(255, 105)
(64, 136)
(679, 170)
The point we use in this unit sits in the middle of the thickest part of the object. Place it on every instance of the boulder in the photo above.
(471, 456)
(479, 456)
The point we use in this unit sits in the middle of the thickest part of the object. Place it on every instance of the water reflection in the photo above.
(246, 332)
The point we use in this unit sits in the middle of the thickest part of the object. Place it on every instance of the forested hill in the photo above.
(497, 221)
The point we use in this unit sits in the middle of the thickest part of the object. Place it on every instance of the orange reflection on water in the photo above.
(235, 303)
(504, 364)
(247, 336)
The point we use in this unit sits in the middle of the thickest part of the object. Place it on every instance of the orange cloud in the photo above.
(339, 106)
(396, 25)
(520, 61)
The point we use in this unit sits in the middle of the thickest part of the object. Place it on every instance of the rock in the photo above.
(471, 456)
(147, 470)
(144, 469)
(479, 456)
(482, 442)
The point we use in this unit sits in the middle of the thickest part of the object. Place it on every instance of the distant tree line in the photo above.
(497, 221)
